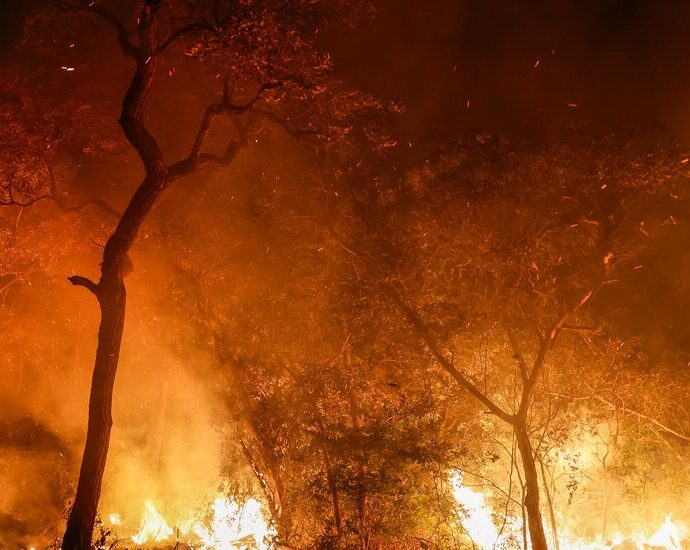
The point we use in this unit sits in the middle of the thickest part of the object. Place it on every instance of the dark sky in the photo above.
(624, 63)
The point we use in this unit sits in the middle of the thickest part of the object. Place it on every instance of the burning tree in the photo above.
(266, 55)
(307, 287)
(346, 441)
(512, 246)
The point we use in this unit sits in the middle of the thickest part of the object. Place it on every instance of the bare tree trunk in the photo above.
(83, 513)
(358, 426)
(549, 499)
(534, 521)
(333, 488)
(110, 291)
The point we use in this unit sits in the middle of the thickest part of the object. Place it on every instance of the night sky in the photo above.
(624, 63)
(521, 65)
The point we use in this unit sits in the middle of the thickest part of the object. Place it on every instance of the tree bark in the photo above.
(549, 499)
(83, 513)
(362, 494)
(110, 290)
(333, 489)
(534, 520)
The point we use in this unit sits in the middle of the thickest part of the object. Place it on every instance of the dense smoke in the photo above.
(309, 327)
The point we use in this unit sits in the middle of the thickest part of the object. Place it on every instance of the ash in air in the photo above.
(344, 274)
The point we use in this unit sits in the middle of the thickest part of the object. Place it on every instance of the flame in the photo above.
(477, 519)
(233, 526)
(153, 526)
(670, 535)
(114, 519)
(228, 526)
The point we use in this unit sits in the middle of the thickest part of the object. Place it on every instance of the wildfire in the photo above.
(227, 526)
(233, 526)
(114, 519)
(477, 519)
(476, 516)
(669, 535)
(154, 528)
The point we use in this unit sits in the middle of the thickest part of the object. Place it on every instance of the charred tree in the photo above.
(110, 290)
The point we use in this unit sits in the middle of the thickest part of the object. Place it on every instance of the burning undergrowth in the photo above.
(591, 501)
(221, 523)
(334, 338)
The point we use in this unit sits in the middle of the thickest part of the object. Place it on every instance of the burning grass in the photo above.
(225, 525)
(488, 530)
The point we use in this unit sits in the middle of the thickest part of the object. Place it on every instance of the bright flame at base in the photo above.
(234, 526)
(476, 517)
(154, 528)
(669, 535)
(231, 526)
(477, 520)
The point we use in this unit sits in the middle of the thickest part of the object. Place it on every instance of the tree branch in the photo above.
(294, 132)
(77, 207)
(537, 365)
(183, 31)
(190, 163)
(241, 107)
(558, 325)
(65, 208)
(88, 284)
(74, 208)
(628, 410)
(546, 344)
(126, 45)
(517, 355)
(415, 320)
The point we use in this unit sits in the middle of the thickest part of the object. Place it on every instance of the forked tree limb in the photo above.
(423, 331)
(88, 284)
